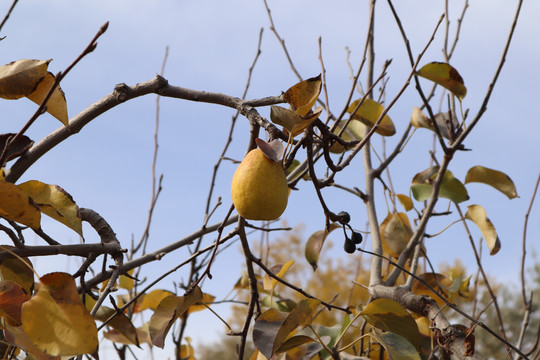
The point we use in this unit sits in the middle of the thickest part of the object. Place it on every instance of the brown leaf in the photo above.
(19, 78)
(168, 311)
(17, 148)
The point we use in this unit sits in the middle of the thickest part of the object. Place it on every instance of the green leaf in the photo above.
(446, 76)
(388, 315)
(477, 214)
(397, 346)
(315, 244)
(451, 188)
(369, 112)
(494, 178)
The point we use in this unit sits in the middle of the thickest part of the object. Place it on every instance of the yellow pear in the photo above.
(259, 188)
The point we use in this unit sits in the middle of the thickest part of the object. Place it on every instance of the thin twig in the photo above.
(6, 17)
(91, 47)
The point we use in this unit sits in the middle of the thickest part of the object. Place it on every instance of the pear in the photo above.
(259, 187)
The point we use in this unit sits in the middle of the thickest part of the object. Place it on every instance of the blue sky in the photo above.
(106, 167)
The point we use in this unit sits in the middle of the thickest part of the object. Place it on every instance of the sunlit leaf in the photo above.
(303, 95)
(397, 347)
(405, 201)
(396, 232)
(19, 270)
(127, 282)
(477, 214)
(16, 205)
(315, 243)
(56, 105)
(494, 178)
(451, 188)
(56, 320)
(168, 311)
(352, 132)
(207, 299)
(291, 121)
(388, 315)
(120, 322)
(446, 76)
(152, 299)
(19, 78)
(186, 350)
(16, 148)
(55, 202)
(369, 112)
(12, 296)
(279, 270)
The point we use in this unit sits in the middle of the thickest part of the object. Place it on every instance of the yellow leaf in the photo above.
(270, 283)
(446, 76)
(405, 201)
(56, 105)
(186, 351)
(303, 95)
(152, 300)
(477, 214)
(56, 320)
(368, 113)
(16, 205)
(396, 232)
(19, 78)
(207, 299)
(494, 178)
(291, 121)
(127, 282)
(55, 202)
